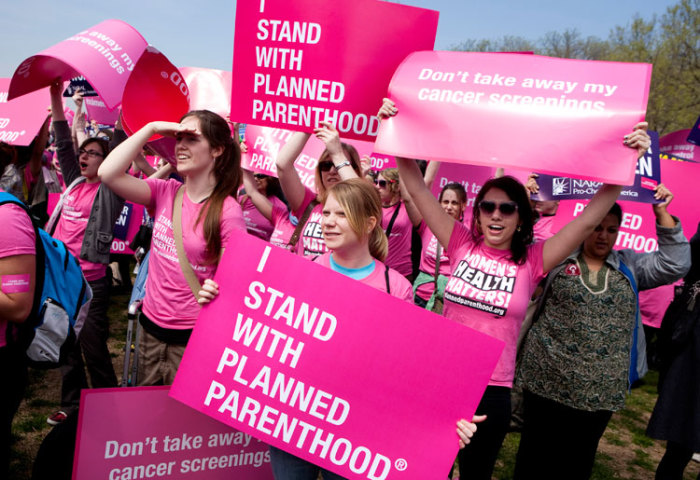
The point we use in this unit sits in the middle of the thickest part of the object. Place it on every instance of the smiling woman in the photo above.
(209, 161)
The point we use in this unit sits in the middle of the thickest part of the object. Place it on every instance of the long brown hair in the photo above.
(360, 201)
(227, 173)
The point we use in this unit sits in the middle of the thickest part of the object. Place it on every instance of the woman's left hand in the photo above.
(329, 135)
(639, 139)
(466, 430)
(209, 291)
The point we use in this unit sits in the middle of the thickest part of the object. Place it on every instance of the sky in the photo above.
(200, 33)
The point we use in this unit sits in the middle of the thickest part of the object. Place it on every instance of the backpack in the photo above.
(61, 301)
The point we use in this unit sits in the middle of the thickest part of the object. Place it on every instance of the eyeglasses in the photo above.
(325, 166)
(383, 183)
(506, 208)
(91, 153)
(260, 176)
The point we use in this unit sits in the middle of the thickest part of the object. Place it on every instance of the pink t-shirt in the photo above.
(169, 301)
(255, 222)
(489, 292)
(311, 243)
(72, 223)
(427, 261)
(398, 285)
(16, 238)
(399, 256)
(284, 229)
(653, 303)
(543, 228)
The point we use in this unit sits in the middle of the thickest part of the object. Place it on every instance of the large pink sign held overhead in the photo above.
(326, 377)
(21, 118)
(136, 433)
(104, 54)
(298, 63)
(551, 115)
(98, 111)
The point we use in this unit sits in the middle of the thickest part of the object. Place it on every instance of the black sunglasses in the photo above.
(325, 166)
(382, 183)
(506, 208)
(260, 176)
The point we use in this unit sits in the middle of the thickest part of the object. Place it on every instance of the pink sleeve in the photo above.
(535, 261)
(401, 288)
(309, 196)
(460, 236)
(157, 186)
(17, 232)
(231, 219)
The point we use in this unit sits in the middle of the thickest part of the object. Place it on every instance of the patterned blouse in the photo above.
(577, 352)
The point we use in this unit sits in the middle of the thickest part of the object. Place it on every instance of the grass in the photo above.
(624, 451)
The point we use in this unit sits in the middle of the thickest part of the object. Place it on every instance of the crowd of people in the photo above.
(386, 229)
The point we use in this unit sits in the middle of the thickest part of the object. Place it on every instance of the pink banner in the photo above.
(306, 367)
(98, 111)
(264, 143)
(676, 144)
(21, 118)
(520, 111)
(133, 433)
(298, 63)
(130, 221)
(104, 54)
(209, 89)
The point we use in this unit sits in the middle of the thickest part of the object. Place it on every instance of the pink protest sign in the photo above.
(98, 111)
(298, 63)
(519, 111)
(676, 144)
(209, 89)
(104, 54)
(21, 118)
(129, 433)
(327, 377)
(156, 90)
(681, 178)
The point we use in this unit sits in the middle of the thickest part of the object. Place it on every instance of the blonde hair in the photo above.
(351, 155)
(360, 201)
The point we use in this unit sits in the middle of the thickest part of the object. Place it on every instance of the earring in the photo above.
(518, 229)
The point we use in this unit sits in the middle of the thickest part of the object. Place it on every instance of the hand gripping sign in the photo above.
(104, 54)
(332, 370)
(131, 433)
(550, 115)
(21, 118)
(298, 63)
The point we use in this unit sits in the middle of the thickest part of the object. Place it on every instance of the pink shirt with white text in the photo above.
(311, 242)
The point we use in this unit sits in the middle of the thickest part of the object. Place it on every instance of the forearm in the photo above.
(65, 151)
(345, 172)
(118, 161)
(261, 202)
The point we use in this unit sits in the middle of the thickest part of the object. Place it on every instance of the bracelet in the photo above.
(346, 163)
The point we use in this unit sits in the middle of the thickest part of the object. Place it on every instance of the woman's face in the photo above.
(90, 158)
(498, 228)
(193, 151)
(600, 243)
(451, 204)
(383, 186)
(329, 175)
(336, 229)
(261, 183)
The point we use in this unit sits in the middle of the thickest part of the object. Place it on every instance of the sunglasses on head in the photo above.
(382, 183)
(506, 208)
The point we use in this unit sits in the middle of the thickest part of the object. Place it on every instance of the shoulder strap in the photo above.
(393, 219)
(386, 278)
(302, 221)
(438, 254)
(180, 247)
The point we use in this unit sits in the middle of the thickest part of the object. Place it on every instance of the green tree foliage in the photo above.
(671, 43)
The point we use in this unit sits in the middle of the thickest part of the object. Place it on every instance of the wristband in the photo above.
(346, 163)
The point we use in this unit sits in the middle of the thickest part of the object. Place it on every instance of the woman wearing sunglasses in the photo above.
(400, 215)
(257, 223)
(339, 161)
(84, 220)
(276, 213)
(495, 268)
(357, 244)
